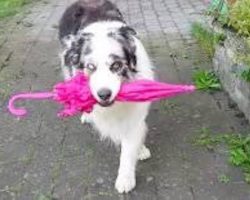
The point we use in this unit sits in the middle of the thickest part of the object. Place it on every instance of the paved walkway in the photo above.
(44, 158)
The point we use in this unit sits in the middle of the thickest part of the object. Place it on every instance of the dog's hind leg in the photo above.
(130, 146)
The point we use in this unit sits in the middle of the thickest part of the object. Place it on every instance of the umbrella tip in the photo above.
(190, 88)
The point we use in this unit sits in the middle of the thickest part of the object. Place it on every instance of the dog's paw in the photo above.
(144, 153)
(124, 184)
(85, 118)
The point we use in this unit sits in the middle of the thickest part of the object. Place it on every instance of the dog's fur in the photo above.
(96, 39)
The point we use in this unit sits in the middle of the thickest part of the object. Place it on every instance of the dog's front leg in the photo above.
(130, 146)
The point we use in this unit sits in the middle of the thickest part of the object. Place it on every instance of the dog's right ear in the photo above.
(72, 50)
(79, 39)
(68, 41)
(74, 45)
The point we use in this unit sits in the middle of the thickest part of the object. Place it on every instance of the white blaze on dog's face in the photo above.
(105, 83)
(107, 61)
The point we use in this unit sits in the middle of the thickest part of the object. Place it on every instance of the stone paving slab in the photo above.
(42, 157)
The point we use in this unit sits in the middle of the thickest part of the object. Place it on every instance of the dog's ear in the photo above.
(128, 44)
(130, 55)
(125, 36)
(85, 35)
(67, 41)
(74, 45)
(72, 53)
(72, 58)
(127, 30)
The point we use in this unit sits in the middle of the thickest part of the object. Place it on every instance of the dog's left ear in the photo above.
(127, 40)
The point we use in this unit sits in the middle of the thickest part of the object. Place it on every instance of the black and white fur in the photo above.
(96, 39)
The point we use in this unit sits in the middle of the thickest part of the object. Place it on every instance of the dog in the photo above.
(96, 39)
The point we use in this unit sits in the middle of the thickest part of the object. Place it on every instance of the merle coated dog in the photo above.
(96, 39)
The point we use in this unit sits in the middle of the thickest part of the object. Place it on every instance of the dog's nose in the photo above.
(104, 94)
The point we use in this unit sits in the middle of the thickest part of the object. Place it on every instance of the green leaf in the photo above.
(223, 178)
(206, 80)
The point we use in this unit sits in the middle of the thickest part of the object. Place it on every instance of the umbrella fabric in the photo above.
(75, 95)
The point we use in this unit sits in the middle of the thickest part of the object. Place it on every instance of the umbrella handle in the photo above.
(22, 111)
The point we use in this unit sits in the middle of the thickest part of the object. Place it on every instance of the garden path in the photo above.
(44, 158)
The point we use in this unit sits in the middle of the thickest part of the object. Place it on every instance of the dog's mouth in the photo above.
(106, 103)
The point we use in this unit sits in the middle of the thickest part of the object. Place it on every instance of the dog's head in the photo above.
(108, 58)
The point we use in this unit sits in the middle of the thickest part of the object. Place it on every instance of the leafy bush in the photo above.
(219, 10)
(239, 153)
(206, 80)
(239, 17)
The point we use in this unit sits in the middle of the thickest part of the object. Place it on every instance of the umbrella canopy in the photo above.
(75, 95)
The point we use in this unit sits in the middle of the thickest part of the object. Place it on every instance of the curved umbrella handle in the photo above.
(26, 96)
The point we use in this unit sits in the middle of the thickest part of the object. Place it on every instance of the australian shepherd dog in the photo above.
(96, 39)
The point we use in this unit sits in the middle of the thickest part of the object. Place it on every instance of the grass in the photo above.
(167, 106)
(245, 75)
(206, 80)
(238, 148)
(205, 139)
(41, 196)
(223, 178)
(29, 157)
(245, 60)
(206, 38)
(11, 7)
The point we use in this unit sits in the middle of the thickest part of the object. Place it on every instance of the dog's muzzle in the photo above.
(105, 97)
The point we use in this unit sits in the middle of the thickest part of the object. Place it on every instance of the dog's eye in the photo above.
(116, 66)
(91, 67)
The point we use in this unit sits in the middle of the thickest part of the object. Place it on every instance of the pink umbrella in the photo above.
(76, 97)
